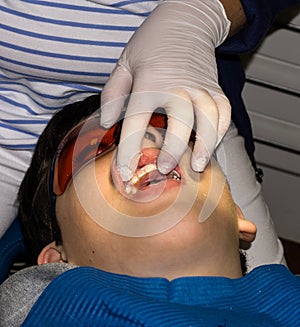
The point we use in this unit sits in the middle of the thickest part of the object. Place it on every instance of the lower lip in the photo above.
(154, 191)
(147, 193)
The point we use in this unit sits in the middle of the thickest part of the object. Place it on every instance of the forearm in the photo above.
(260, 16)
(235, 13)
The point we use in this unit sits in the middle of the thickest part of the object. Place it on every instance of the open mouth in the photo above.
(148, 175)
(147, 183)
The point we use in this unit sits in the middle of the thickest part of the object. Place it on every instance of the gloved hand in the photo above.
(170, 62)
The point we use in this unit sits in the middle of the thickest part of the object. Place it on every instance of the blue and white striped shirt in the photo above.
(53, 53)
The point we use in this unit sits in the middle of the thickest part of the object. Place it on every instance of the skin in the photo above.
(235, 13)
(189, 248)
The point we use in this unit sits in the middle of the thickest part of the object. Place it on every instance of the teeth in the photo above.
(149, 168)
(174, 175)
(130, 188)
(134, 180)
(142, 172)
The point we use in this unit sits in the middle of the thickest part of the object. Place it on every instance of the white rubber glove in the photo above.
(170, 62)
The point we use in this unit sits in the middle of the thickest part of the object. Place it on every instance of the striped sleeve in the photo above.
(53, 53)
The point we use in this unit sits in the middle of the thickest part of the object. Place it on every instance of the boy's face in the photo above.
(154, 225)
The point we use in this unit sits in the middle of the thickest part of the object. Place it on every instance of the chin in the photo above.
(152, 200)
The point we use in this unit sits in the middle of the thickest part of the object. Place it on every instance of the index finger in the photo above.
(138, 113)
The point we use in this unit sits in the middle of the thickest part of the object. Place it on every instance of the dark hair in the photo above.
(38, 225)
(243, 260)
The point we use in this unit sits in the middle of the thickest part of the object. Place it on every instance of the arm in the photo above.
(170, 63)
(235, 13)
(260, 14)
(157, 60)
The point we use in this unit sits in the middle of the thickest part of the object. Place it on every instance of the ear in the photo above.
(51, 253)
(247, 229)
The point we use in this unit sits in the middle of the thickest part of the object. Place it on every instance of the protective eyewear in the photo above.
(87, 141)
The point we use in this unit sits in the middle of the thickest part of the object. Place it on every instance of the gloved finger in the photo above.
(179, 109)
(139, 111)
(224, 109)
(207, 117)
(114, 95)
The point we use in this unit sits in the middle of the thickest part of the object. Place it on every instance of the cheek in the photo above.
(81, 236)
(225, 218)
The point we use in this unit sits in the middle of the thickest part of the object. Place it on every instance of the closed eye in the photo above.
(150, 136)
(154, 137)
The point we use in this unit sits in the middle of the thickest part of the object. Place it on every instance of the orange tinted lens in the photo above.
(158, 120)
(85, 142)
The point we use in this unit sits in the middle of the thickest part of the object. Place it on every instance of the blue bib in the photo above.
(268, 296)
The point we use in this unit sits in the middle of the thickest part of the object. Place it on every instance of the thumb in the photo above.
(114, 95)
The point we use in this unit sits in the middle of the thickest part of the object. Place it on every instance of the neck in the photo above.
(172, 266)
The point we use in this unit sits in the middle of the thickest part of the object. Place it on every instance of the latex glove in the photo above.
(172, 56)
